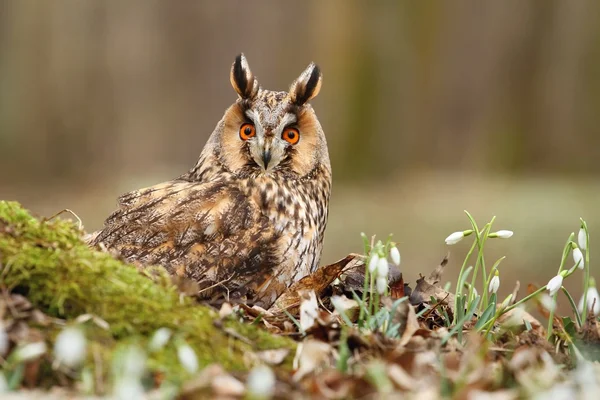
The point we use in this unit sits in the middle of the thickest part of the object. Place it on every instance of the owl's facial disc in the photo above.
(268, 147)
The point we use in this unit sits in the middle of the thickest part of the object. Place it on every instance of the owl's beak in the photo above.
(266, 157)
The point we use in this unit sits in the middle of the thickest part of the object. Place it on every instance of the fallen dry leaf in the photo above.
(310, 354)
(317, 281)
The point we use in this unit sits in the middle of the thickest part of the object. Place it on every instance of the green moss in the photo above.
(49, 263)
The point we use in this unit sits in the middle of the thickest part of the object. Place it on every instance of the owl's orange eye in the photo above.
(291, 135)
(247, 131)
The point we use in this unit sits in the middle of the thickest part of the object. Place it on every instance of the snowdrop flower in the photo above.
(494, 283)
(129, 371)
(373, 263)
(3, 340)
(70, 347)
(547, 302)
(582, 239)
(187, 358)
(593, 301)
(127, 389)
(261, 382)
(383, 268)
(381, 284)
(395, 255)
(578, 258)
(502, 234)
(134, 362)
(457, 237)
(30, 351)
(554, 284)
(159, 339)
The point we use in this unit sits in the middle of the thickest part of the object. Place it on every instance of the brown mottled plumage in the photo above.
(248, 219)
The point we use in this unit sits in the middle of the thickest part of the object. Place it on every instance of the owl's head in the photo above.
(267, 132)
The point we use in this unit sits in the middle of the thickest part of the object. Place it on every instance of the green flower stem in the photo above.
(566, 251)
(586, 278)
(527, 298)
(573, 305)
(460, 274)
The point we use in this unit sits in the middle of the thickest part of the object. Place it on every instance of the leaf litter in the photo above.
(309, 344)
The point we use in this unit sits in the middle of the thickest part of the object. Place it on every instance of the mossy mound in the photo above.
(49, 263)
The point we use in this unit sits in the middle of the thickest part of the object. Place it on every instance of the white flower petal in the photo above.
(381, 284)
(261, 382)
(70, 347)
(187, 358)
(578, 258)
(582, 239)
(395, 255)
(159, 339)
(134, 363)
(373, 263)
(554, 285)
(593, 301)
(30, 351)
(383, 268)
(454, 238)
(494, 284)
(504, 234)
(547, 302)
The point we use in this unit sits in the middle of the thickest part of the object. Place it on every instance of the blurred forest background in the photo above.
(429, 108)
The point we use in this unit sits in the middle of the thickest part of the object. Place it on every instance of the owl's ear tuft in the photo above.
(242, 79)
(307, 86)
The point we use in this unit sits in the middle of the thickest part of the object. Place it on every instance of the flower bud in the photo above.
(494, 283)
(383, 268)
(578, 258)
(593, 301)
(454, 238)
(187, 358)
(395, 255)
(582, 239)
(502, 234)
(70, 347)
(381, 284)
(373, 263)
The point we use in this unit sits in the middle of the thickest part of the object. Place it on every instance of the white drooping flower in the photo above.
(30, 351)
(187, 358)
(383, 268)
(261, 382)
(70, 347)
(159, 339)
(578, 258)
(3, 339)
(502, 234)
(547, 302)
(593, 301)
(494, 283)
(395, 255)
(373, 263)
(554, 284)
(582, 239)
(381, 284)
(129, 371)
(454, 238)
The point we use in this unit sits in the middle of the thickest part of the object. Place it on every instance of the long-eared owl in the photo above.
(248, 219)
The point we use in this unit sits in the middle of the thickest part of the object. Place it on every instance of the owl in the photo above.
(248, 219)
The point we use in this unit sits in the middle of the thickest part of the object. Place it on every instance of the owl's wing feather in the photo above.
(209, 232)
